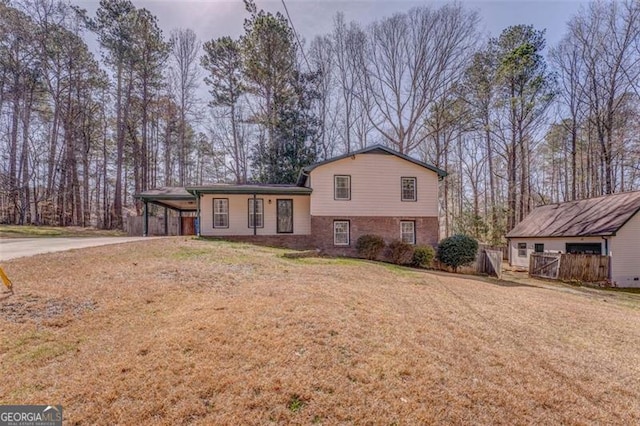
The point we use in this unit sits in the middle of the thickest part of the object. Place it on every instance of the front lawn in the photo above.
(191, 331)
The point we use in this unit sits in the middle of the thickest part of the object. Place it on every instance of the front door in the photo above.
(188, 225)
(285, 216)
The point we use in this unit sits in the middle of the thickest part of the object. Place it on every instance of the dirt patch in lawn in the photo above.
(208, 332)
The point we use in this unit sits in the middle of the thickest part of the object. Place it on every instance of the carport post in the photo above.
(145, 220)
(166, 222)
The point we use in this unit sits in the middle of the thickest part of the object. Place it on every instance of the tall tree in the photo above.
(223, 62)
(526, 91)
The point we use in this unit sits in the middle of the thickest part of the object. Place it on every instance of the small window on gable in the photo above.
(409, 189)
(220, 212)
(408, 232)
(342, 187)
(341, 233)
(522, 249)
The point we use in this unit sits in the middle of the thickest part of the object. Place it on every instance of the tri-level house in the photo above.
(375, 190)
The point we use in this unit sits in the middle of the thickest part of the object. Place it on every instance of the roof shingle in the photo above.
(599, 216)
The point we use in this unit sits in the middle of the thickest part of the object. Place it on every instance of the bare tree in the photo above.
(412, 59)
(185, 73)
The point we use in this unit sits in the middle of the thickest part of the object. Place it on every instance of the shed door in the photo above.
(584, 248)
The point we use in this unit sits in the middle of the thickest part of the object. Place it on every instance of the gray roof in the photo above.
(222, 188)
(173, 197)
(601, 216)
(375, 149)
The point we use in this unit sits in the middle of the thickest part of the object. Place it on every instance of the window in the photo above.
(342, 187)
(539, 248)
(522, 249)
(341, 233)
(408, 232)
(258, 210)
(285, 216)
(220, 212)
(409, 189)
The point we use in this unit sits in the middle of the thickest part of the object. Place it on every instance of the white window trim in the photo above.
(413, 234)
(225, 214)
(259, 212)
(335, 187)
(335, 243)
(415, 188)
(525, 249)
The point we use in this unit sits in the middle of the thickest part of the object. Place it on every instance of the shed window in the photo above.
(522, 249)
(341, 233)
(342, 187)
(539, 248)
(220, 212)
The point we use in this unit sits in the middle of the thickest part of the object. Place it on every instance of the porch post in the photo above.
(145, 220)
(166, 222)
(179, 222)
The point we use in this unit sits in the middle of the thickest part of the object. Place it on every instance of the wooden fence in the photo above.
(580, 267)
(133, 225)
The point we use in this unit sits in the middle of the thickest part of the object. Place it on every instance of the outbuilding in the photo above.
(607, 225)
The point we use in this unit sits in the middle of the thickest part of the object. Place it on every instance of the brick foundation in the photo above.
(295, 242)
(386, 227)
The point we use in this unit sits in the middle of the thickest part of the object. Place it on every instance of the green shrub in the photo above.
(370, 246)
(423, 256)
(457, 250)
(400, 252)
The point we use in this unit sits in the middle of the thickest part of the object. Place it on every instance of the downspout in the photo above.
(255, 210)
(606, 252)
(198, 224)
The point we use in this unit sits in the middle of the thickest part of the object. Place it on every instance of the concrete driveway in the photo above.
(11, 248)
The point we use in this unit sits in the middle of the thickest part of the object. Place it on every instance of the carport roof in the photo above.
(173, 197)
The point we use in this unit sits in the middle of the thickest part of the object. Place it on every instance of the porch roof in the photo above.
(249, 189)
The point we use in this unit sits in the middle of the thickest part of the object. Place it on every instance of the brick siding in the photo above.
(387, 227)
(322, 233)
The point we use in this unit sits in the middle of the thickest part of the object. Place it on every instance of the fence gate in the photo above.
(544, 265)
(490, 262)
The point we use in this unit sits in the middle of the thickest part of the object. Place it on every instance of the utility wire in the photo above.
(295, 33)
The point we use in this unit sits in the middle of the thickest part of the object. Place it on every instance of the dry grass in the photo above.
(179, 331)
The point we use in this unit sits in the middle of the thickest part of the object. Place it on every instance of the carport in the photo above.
(170, 198)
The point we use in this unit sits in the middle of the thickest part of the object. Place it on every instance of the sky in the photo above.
(216, 18)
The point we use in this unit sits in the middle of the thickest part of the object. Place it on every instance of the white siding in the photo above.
(239, 210)
(550, 244)
(375, 187)
(625, 254)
